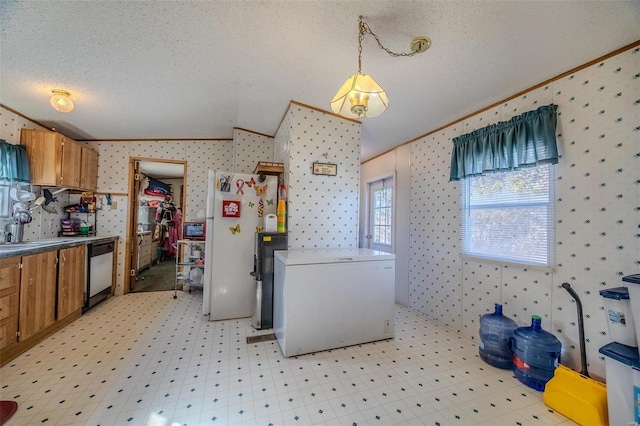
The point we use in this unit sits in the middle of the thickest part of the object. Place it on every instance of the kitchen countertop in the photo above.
(39, 246)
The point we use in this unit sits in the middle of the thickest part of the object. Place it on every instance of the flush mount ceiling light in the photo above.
(60, 101)
(360, 96)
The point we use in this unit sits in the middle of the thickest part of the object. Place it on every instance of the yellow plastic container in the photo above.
(577, 397)
(282, 216)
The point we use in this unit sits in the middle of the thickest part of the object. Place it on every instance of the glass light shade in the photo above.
(60, 101)
(360, 96)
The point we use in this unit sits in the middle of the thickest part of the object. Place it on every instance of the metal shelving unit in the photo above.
(189, 253)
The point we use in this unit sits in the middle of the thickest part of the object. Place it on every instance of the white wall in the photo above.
(249, 148)
(597, 198)
(113, 177)
(396, 164)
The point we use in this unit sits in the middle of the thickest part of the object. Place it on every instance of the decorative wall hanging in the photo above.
(325, 169)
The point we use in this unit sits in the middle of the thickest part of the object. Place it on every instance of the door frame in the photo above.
(367, 216)
(131, 249)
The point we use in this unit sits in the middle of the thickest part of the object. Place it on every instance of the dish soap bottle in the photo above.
(84, 228)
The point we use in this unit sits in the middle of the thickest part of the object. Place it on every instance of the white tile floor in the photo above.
(144, 358)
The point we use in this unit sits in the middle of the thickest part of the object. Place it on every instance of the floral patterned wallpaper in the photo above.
(249, 148)
(597, 200)
(323, 211)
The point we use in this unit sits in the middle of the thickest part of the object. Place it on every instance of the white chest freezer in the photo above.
(331, 298)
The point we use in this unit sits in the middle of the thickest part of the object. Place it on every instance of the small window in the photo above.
(5, 200)
(509, 215)
(382, 208)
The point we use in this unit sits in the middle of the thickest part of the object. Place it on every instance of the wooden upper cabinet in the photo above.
(89, 169)
(71, 163)
(57, 160)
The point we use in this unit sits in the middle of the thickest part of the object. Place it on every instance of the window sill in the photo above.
(542, 268)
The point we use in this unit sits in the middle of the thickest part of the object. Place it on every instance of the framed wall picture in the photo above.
(325, 169)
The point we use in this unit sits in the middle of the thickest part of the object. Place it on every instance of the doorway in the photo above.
(158, 197)
(380, 215)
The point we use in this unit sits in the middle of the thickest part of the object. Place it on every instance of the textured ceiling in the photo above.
(187, 69)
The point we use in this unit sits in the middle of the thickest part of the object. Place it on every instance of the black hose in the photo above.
(583, 352)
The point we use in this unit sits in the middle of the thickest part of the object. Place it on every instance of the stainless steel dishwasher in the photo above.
(100, 273)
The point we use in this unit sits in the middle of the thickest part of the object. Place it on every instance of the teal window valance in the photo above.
(528, 139)
(14, 162)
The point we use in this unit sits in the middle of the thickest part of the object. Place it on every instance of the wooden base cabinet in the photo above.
(71, 280)
(9, 296)
(37, 293)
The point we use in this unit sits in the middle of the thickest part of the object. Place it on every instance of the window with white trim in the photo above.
(5, 200)
(382, 212)
(508, 216)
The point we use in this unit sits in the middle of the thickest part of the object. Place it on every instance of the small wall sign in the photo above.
(326, 169)
(230, 208)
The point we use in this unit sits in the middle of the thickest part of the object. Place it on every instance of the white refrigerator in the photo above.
(237, 204)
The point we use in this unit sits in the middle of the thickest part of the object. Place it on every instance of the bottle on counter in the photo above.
(84, 228)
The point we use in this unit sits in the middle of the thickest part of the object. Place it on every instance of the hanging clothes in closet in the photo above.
(169, 217)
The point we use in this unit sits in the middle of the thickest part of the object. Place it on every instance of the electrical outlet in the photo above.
(387, 326)
(114, 205)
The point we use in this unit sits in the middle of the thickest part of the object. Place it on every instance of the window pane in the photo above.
(382, 212)
(515, 233)
(387, 235)
(5, 200)
(509, 215)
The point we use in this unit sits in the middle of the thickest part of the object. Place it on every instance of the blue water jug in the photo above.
(536, 354)
(496, 331)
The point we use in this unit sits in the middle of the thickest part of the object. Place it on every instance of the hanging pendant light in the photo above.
(60, 101)
(361, 96)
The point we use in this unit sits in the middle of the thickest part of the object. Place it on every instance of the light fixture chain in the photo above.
(361, 33)
(364, 29)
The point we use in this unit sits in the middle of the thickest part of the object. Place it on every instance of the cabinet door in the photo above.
(9, 290)
(44, 150)
(71, 162)
(37, 293)
(89, 169)
(71, 280)
(9, 273)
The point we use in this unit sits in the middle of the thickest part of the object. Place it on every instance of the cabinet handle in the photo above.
(56, 264)
(64, 259)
